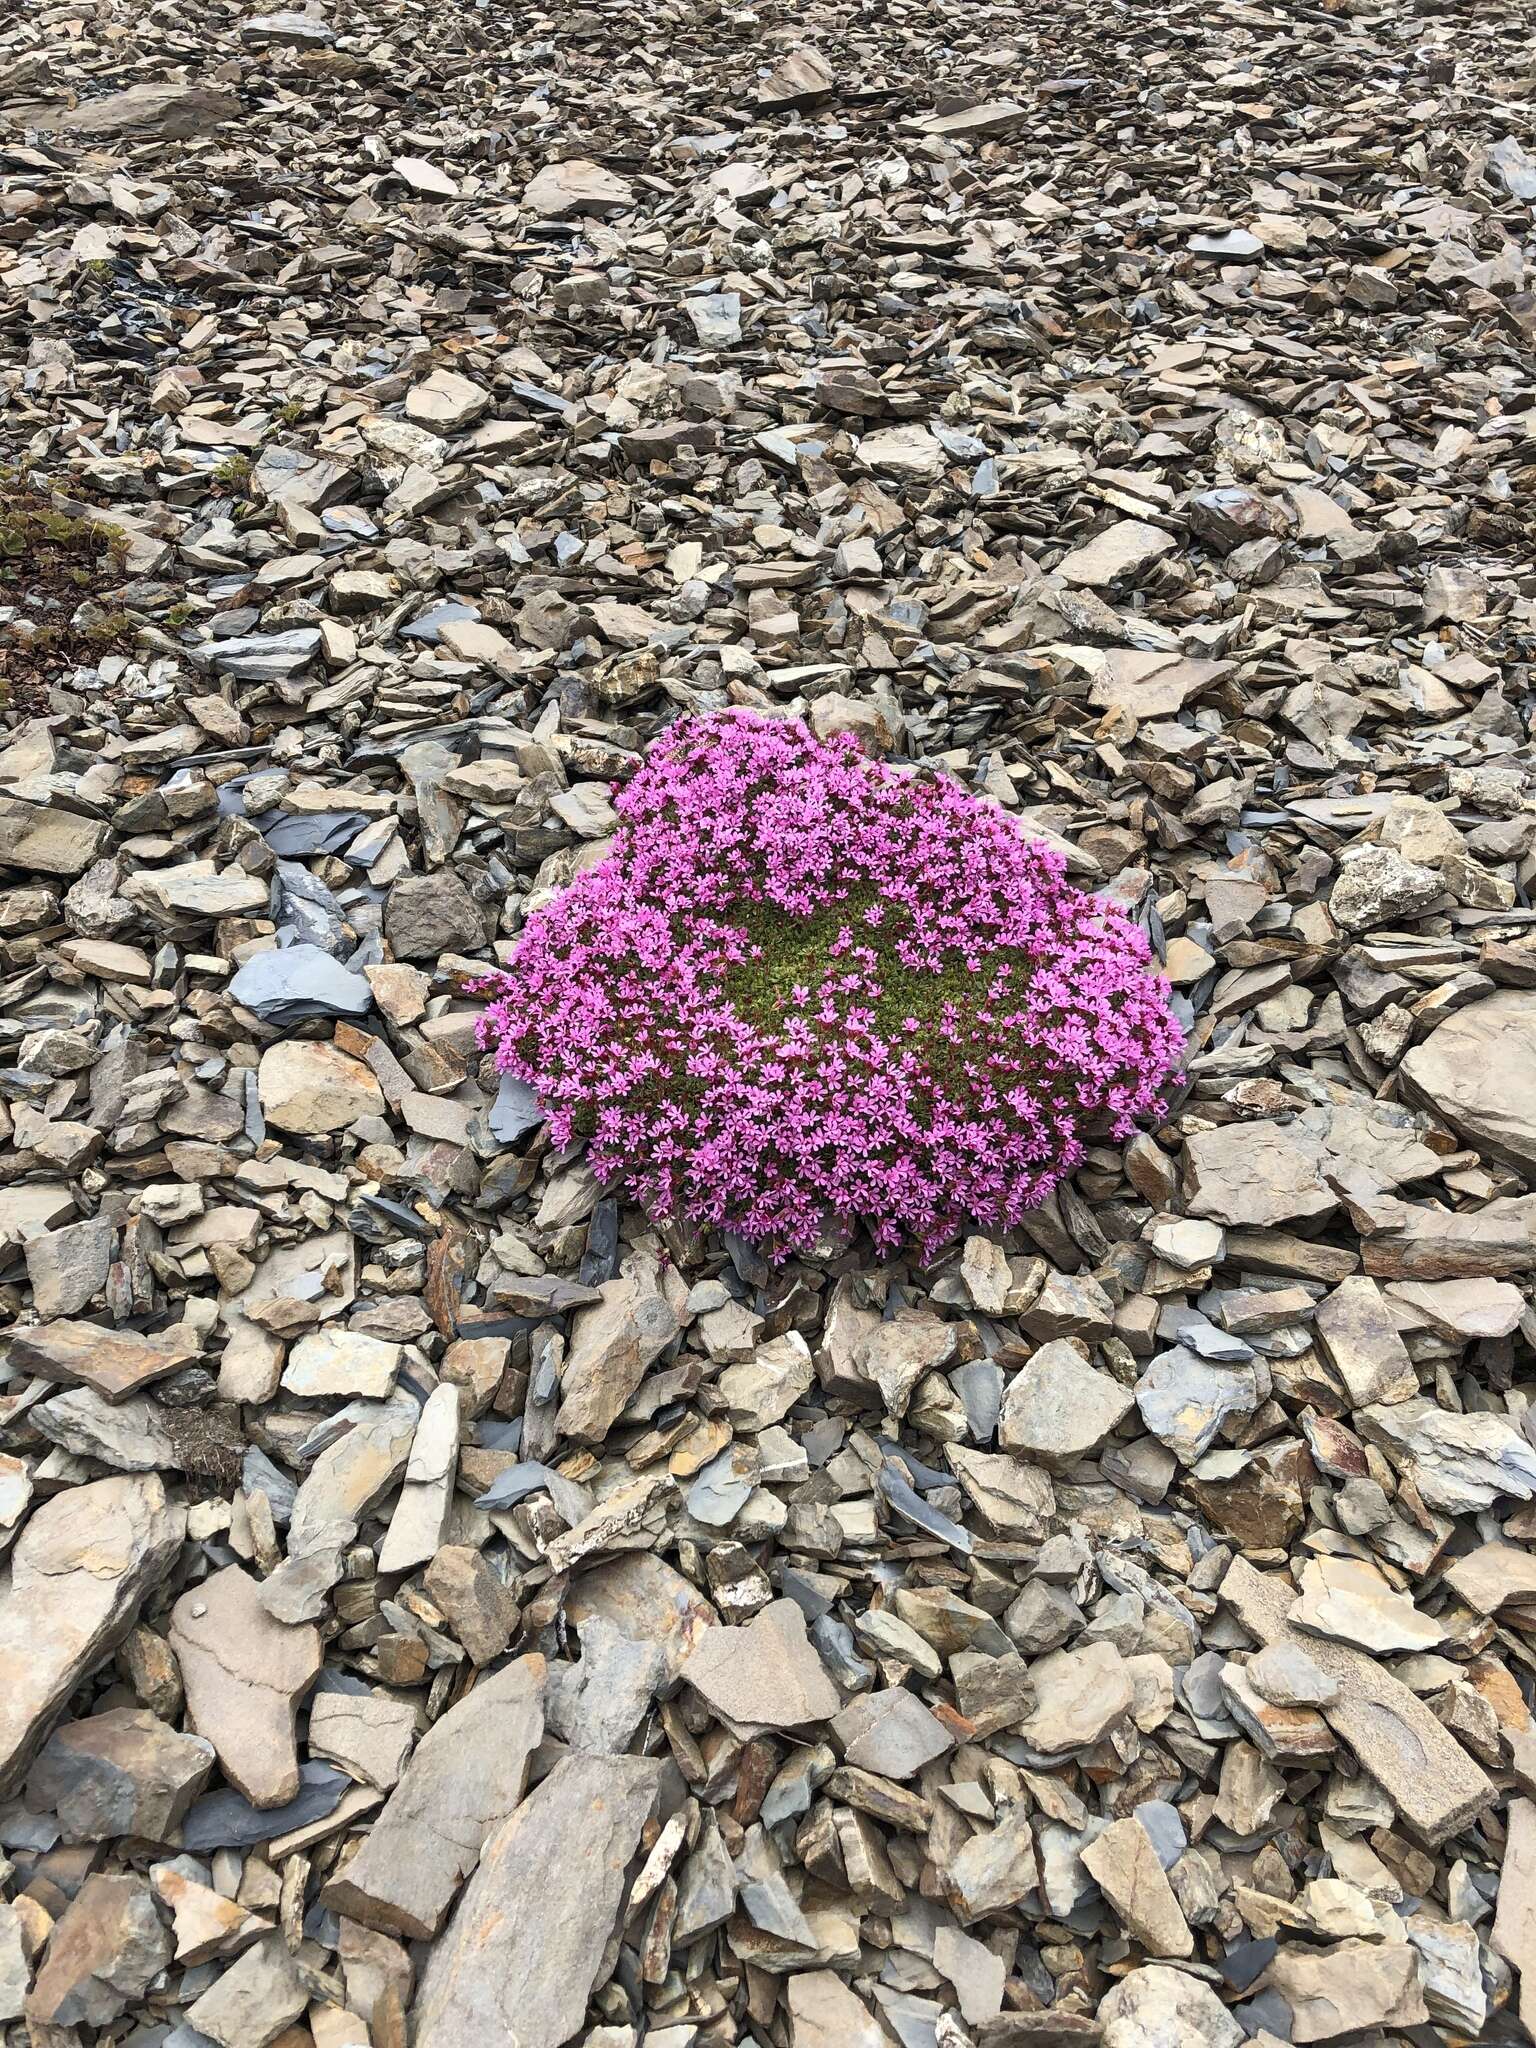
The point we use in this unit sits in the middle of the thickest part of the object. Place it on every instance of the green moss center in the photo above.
(786, 975)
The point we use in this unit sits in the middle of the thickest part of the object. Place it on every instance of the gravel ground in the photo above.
(443, 1605)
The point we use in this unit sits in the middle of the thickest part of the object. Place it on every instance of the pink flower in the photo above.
(804, 989)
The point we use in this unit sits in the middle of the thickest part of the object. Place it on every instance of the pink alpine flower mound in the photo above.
(805, 990)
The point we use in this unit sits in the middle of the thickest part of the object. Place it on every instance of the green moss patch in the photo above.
(59, 571)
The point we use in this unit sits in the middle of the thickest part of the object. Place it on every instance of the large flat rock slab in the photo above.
(78, 1574)
(525, 1949)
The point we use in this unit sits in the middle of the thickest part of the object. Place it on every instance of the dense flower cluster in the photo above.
(806, 990)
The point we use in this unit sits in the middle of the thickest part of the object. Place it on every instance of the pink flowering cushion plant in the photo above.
(806, 990)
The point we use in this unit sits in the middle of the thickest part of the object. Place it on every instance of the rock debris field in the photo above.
(441, 1606)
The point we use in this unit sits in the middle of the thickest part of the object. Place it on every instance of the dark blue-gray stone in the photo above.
(285, 987)
(515, 1112)
(225, 1820)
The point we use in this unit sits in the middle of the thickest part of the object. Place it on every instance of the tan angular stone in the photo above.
(1514, 1925)
(993, 1870)
(766, 1674)
(47, 841)
(1359, 1338)
(426, 1495)
(467, 1775)
(308, 1087)
(115, 1363)
(612, 1346)
(245, 1674)
(253, 2000)
(106, 1949)
(529, 1940)
(1345, 1988)
(1080, 1696)
(1123, 549)
(1158, 2004)
(1124, 1864)
(899, 1353)
(1058, 1408)
(797, 80)
(645, 1600)
(824, 2013)
(1255, 1175)
(370, 1734)
(1349, 1600)
(77, 1575)
(205, 1924)
(1494, 1575)
(478, 1607)
(1478, 1071)
(576, 186)
(122, 1772)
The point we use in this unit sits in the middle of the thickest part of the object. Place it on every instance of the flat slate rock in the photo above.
(114, 1363)
(525, 1945)
(766, 1674)
(466, 1776)
(245, 1674)
(77, 1576)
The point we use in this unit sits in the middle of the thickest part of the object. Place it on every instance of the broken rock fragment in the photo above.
(245, 1674)
(426, 1494)
(1080, 1695)
(1156, 2004)
(824, 2013)
(766, 1674)
(529, 1939)
(1124, 1863)
(309, 1088)
(115, 1363)
(77, 1575)
(797, 80)
(1058, 1407)
(890, 1733)
(123, 1772)
(253, 2000)
(1351, 1985)
(466, 1776)
(576, 186)
(1360, 1340)
(1477, 1070)
(613, 1344)
(1121, 550)
(106, 1949)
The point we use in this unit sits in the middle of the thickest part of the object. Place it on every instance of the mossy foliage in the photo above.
(794, 958)
(56, 568)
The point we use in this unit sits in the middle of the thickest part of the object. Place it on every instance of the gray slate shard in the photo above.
(515, 1112)
(299, 836)
(1163, 1824)
(260, 657)
(911, 1506)
(224, 1820)
(300, 885)
(428, 626)
(258, 1474)
(530, 1477)
(600, 1260)
(287, 986)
